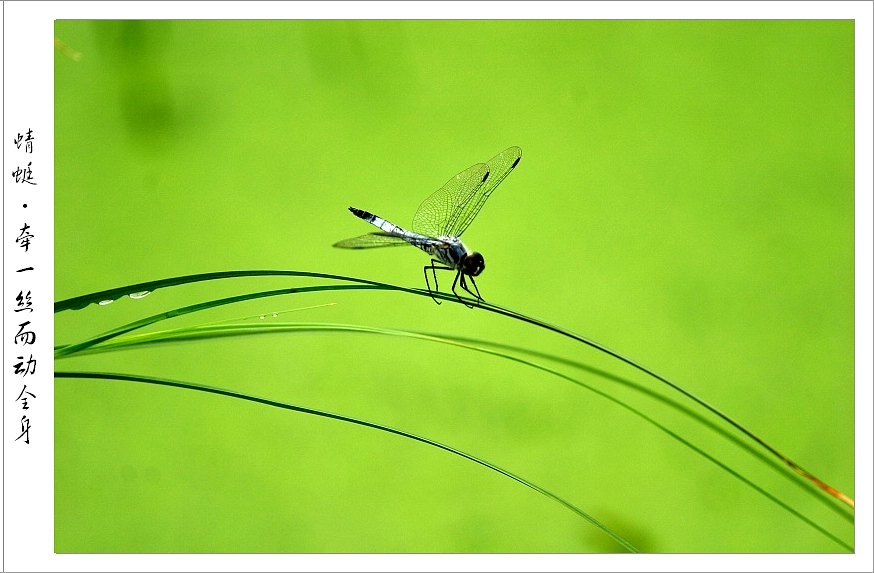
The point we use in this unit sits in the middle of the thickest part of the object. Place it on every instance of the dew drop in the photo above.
(261, 317)
(105, 302)
(141, 294)
(275, 315)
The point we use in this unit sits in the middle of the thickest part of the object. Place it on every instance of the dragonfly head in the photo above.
(473, 264)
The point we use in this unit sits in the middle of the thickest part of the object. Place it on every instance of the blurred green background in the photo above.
(685, 196)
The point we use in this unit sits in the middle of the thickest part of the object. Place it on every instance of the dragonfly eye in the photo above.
(473, 264)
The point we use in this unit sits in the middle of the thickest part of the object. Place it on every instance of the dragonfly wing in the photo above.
(372, 240)
(438, 213)
(499, 167)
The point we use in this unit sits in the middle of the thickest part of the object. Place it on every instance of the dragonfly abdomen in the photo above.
(386, 226)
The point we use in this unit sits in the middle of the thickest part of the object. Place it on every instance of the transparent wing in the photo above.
(499, 167)
(371, 240)
(439, 212)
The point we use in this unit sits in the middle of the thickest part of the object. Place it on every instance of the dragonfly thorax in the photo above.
(453, 253)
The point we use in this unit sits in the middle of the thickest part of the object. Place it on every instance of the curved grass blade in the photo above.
(66, 350)
(832, 491)
(841, 509)
(285, 406)
(209, 330)
(112, 294)
(80, 302)
(204, 332)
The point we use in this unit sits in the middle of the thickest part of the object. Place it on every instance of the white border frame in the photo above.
(28, 519)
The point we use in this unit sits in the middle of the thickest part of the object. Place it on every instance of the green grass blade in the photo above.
(831, 503)
(80, 302)
(832, 491)
(205, 332)
(283, 405)
(69, 349)
(112, 294)
(211, 330)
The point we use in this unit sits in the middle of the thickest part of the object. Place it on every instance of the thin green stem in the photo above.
(276, 404)
(204, 332)
(112, 294)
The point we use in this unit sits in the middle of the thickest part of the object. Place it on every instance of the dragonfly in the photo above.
(440, 221)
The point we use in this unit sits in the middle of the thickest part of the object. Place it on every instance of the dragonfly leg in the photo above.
(463, 285)
(434, 273)
(473, 282)
(428, 284)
